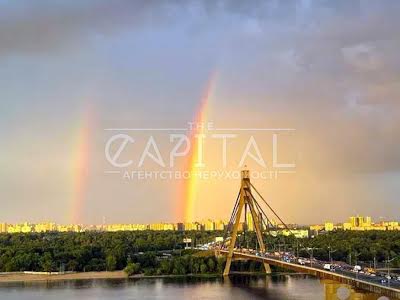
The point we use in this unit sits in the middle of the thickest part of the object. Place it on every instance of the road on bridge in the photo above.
(316, 267)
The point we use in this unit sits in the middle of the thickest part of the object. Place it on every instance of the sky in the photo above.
(70, 69)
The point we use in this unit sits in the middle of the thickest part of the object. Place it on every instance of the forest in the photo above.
(161, 252)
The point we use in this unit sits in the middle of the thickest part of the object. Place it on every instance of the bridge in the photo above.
(360, 281)
(246, 202)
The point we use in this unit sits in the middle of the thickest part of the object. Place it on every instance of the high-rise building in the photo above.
(180, 226)
(220, 225)
(209, 225)
(329, 226)
(192, 226)
(45, 227)
(3, 227)
(249, 221)
(367, 221)
(26, 227)
(162, 226)
(360, 222)
(353, 222)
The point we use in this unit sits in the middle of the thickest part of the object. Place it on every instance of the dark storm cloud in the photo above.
(27, 26)
(33, 27)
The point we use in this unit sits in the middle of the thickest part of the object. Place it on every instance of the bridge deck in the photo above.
(315, 271)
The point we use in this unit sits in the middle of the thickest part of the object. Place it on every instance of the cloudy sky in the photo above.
(68, 70)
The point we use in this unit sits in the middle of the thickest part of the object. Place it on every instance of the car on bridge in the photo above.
(357, 269)
(301, 261)
(277, 254)
(287, 259)
(330, 267)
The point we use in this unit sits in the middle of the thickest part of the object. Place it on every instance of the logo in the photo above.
(199, 150)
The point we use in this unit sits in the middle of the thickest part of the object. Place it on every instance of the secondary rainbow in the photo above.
(80, 163)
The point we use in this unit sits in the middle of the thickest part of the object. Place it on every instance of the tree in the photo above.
(211, 265)
(111, 263)
(203, 268)
(165, 267)
(220, 264)
(132, 268)
(47, 262)
(72, 265)
(195, 268)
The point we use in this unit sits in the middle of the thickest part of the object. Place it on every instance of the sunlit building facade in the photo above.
(357, 223)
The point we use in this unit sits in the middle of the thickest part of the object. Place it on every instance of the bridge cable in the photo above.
(234, 212)
(273, 211)
(264, 214)
(269, 224)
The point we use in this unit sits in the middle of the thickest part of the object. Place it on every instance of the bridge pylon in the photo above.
(246, 202)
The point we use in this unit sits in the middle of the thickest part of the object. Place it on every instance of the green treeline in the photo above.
(192, 262)
(352, 247)
(160, 253)
(180, 263)
(88, 251)
(346, 246)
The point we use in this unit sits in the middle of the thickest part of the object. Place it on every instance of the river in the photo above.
(237, 287)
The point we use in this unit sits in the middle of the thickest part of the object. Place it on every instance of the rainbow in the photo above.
(190, 194)
(80, 164)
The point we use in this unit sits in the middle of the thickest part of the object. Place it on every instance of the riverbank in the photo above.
(21, 277)
(24, 277)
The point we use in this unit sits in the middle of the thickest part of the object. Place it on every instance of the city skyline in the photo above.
(352, 220)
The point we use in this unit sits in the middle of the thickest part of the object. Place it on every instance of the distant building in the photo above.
(45, 227)
(353, 222)
(346, 226)
(128, 227)
(249, 221)
(317, 228)
(360, 223)
(208, 225)
(192, 226)
(367, 221)
(357, 223)
(69, 228)
(180, 227)
(162, 226)
(3, 227)
(220, 225)
(297, 233)
(329, 226)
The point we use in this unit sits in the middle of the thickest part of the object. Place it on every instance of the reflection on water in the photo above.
(334, 291)
(236, 287)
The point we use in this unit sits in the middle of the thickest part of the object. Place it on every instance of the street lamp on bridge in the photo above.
(310, 251)
(330, 253)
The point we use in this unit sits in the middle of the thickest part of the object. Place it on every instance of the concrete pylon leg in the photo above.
(233, 238)
(267, 268)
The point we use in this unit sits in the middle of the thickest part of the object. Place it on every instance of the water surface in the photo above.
(236, 287)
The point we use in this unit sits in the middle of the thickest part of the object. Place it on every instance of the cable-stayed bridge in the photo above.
(247, 204)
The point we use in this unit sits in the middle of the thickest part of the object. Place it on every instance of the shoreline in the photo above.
(22, 277)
